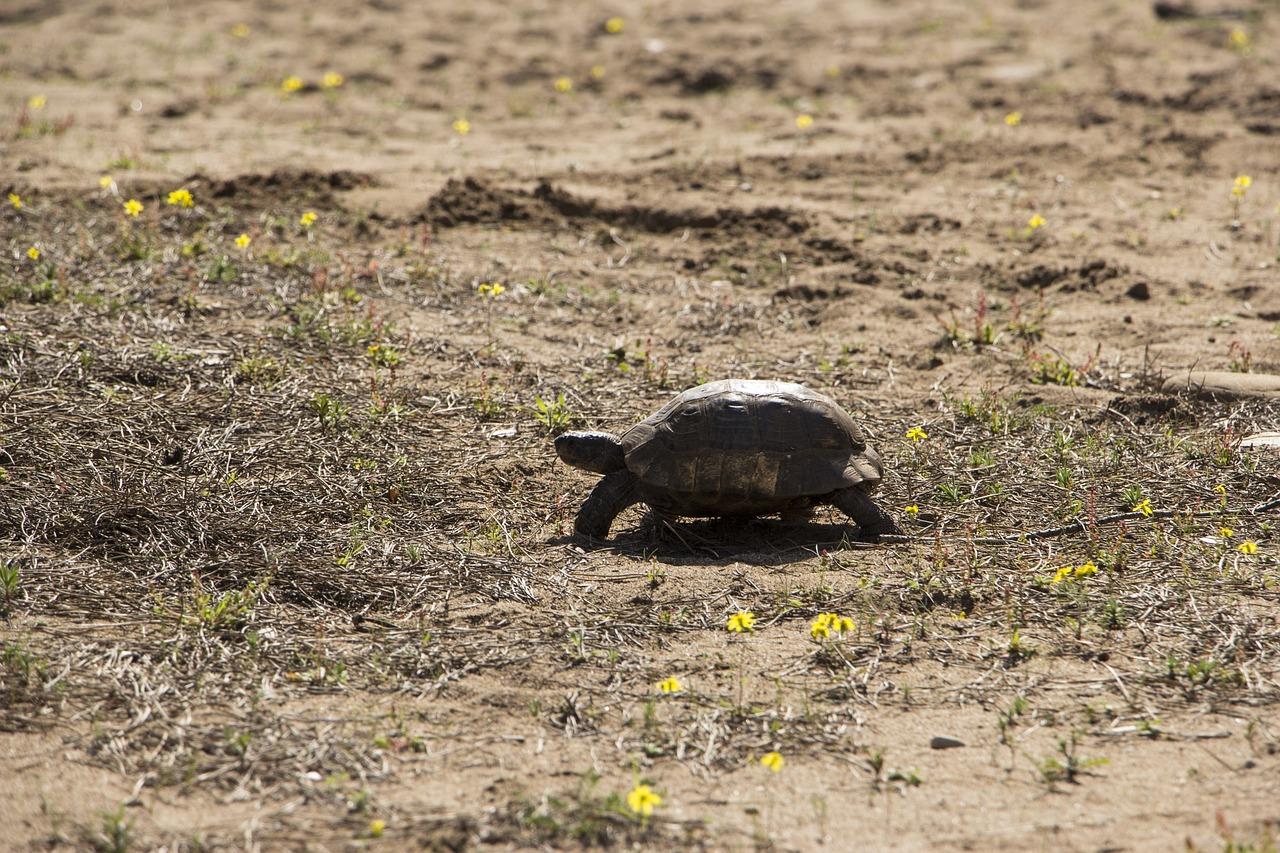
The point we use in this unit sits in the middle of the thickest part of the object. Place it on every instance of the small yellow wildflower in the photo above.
(1248, 546)
(1144, 506)
(825, 623)
(613, 26)
(912, 509)
(743, 620)
(916, 434)
(772, 760)
(307, 219)
(670, 684)
(181, 198)
(461, 126)
(332, 80)
(1013, 119)
(1241, 186)
(132, 208)
(376, 827)
(291, 84)
(642, 800)
(16, 201)
(1221, 489)
(493, 291)
(1226, 532)
(106, 182)
(1036, 222)
(1175, 213)
(243, 241)
(1239, 39)
(241, 31)
(597, 72)
(1065, 573)
(36, 102)
(564, 84)
(832, 71)
(804, 121)
(33, 253)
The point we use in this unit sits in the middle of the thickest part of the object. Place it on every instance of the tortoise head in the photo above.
(591, 451)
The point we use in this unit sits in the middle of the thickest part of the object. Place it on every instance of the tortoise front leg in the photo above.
(873, 522)
(614, 493)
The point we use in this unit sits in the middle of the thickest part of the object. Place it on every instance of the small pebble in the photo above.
(944, 742)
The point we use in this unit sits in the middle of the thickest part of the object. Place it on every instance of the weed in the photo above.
(555, 415)
(229, 611)
(331, 411)
(10, 580)
(1067, 765)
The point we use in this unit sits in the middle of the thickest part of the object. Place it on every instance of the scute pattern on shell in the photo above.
(751, 439)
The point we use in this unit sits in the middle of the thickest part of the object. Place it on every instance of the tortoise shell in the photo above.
(750, 439)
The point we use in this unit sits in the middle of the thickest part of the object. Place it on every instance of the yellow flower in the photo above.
(1087, 570)
(1239, 39)
(820, 628)
(106, 182)
(772, 760)
(671, 684)
(332, 80)
(613, 26)
(1175, 213)
(1226, 532)
(493, 291)
(290, 84)
(461, 126)
(804, 121)
(33, 253)
(1144, 506)
(16, 201)
(307, 219)
(1241, 186)
(1013, 119)
(240, 31)
(597, 72)
(1061, 574)
(1221, 489)
(743, 620)
(1036, 222)
(376, 827)
(913, 509)
(243, 241)
(917, 434)
(642, 800)
(842, 624)
(1248, 546)
(181, 198)
(36, 102)
(564, 84)
(133, 207)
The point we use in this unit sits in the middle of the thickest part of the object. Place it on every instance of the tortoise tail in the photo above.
(611, 496)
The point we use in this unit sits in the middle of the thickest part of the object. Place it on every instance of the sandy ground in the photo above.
(1005, 223)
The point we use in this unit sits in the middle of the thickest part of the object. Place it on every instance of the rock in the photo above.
(1261, 439)
(1140, 291)
(944, 742)
(1221, 383)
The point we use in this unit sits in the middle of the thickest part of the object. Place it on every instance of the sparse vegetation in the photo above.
(282, 534)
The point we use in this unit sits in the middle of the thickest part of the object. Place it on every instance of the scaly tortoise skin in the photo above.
(737, 447)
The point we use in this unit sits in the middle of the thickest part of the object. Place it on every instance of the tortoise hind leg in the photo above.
(873, 522)
(614, 493)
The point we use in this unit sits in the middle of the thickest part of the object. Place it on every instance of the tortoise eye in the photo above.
(689, 412)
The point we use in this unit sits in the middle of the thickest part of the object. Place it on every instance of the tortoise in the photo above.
(737, 447)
